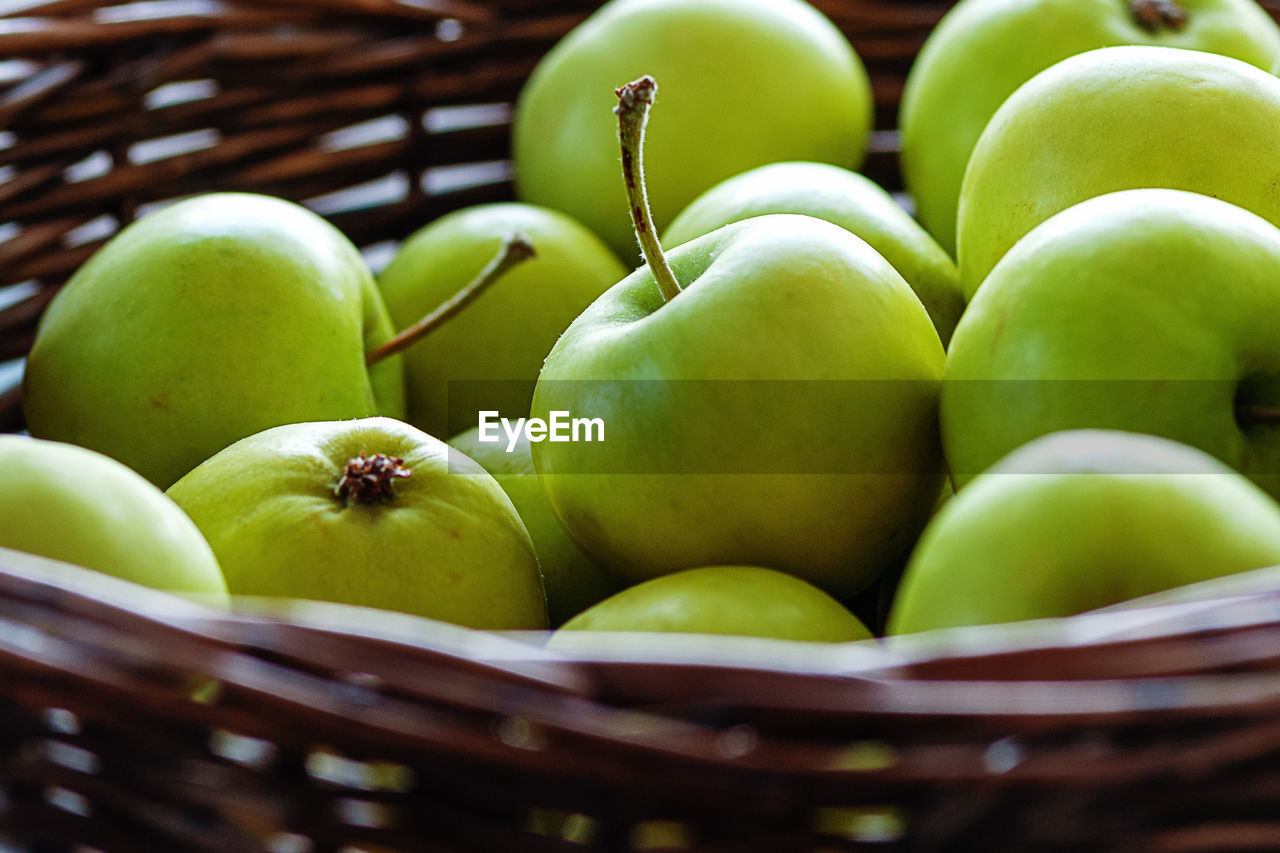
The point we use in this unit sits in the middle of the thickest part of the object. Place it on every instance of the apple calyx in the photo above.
(634, 100)
(368, 479)
(1154, 15)
(515, 250)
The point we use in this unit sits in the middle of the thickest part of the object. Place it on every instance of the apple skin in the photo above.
(79, 506)
(847, 199)
(1146, 310)
(722, 65)
(779, 411)
(573, 580)
(1080, 520)
(448, 545)
(488, 356)
(203, 323)
(739, 600)
(983, 50)
(1115, 119)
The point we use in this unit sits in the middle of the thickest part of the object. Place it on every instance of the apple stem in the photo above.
(368, 479)
(1254, 415)
(1152, 15)
(516, 249)
(634, 100)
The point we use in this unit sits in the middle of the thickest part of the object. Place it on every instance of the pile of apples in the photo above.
(788, 388)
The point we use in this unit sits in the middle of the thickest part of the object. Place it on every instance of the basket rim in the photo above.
(1246, 601)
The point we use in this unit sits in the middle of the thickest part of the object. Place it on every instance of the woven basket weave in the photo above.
(134, 721)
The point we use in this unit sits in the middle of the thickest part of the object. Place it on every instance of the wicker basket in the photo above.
(131, 720)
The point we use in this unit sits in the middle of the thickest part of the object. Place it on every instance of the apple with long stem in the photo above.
(206, 322)
(769, 393)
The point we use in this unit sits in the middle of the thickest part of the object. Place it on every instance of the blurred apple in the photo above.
(725, 65)
(71, 504)
(847, 199)
(739, 600)
(488, 356)
(983, 50)
(573, 580)
(1115, 119)
(1080, 520)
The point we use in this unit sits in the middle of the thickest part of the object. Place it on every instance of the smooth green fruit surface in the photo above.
(488, 356)
(1147, 310)
(845, 198)
(573, 580)
(71, 504)
(983, 50)
(206, 322)
(739, 600)
(779, 411)
(723, 66)
(446, 543)
(1115, 119)
(1080, 520)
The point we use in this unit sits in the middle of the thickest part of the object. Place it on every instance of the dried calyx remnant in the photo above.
(1155, 15)
(368, 479)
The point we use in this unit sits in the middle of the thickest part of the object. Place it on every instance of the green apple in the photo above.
(1114, 119)
(78, 506)
(203, 323)
(779, 411)
(1080, 520)
(370, 512)
(573, 580)
(724, 64)
(850, 201)
(983, 50)
(739, 600)
(488, 356)
(766, 396)
(1146, 310)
